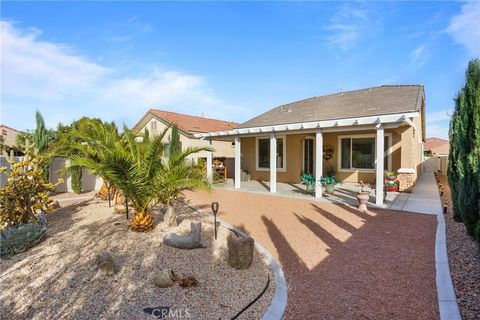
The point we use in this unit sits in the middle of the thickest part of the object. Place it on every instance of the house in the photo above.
(365, 132)
(437, 146)
(8, 135)
(155, 121)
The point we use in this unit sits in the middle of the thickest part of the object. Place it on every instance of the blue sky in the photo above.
(230, 60)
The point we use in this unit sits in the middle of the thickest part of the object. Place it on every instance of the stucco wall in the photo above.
(221, 148)
(401, 152)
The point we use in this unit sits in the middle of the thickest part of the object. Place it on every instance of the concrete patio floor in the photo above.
(345, 193)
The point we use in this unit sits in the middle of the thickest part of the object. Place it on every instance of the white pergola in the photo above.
(379, 123)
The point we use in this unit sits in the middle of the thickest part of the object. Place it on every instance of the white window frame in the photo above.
(372, 135)
(284, 156)
(153, 125)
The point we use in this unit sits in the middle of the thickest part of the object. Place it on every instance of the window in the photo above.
(263, 154)
(153, 125)
(166, 150)
(358, 152)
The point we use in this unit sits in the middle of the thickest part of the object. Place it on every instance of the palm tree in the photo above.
(134, 164)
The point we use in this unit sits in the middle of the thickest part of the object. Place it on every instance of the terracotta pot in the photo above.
(392, 188)
(363, 198)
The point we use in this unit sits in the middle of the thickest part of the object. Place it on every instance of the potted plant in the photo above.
(363, 196)
(391, 185)
(308, 180)
(391, 176)
(329, 183)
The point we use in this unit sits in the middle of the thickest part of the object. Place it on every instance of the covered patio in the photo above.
(344, 193)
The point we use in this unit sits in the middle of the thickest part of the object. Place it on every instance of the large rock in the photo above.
(191, 240)
(105, 265)
(240, 251)
(170, 218)
(164, 279)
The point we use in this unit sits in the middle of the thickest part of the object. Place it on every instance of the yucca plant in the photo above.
(135, 165)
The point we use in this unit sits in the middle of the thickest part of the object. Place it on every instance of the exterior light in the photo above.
(215, 207)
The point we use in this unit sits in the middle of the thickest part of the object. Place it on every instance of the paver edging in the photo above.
(277, 306)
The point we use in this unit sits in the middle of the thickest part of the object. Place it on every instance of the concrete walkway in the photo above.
(426, 200)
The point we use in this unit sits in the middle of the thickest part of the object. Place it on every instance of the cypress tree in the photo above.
(464, 158)
(175, 143)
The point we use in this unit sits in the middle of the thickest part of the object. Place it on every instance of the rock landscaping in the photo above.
(463, 258)
(91, 266)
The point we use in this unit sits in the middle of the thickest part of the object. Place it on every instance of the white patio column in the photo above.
(379, 170)
(238, 161)
(318, 163)
(209, 162)
(273, 163)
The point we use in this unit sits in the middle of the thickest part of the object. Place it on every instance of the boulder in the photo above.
(105, 265)
(164, 279)
(240, 251)
(191, 240)
(170, 218)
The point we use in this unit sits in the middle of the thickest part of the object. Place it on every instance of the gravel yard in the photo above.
(464, 260)
(340, 263)
(54, 279)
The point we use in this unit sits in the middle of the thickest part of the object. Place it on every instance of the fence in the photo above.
(90, 182)
(436, 163)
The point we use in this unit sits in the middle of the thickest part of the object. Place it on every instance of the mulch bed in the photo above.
(463, 257)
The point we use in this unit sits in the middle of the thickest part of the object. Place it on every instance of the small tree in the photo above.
(76, 179)
(26, 192)
(464, 158)
(175, 143)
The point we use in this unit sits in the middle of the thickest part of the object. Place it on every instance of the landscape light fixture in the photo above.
(215, 210)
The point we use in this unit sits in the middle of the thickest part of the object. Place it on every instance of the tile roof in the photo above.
(193, 124)
(437, 146)
(383, 100)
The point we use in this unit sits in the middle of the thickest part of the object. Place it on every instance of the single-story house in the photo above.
(155, 121)
(366, 132)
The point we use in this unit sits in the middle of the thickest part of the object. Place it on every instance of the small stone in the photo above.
(105, 265)
(190, 241)
(165, 279)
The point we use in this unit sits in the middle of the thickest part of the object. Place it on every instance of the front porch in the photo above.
(345, 193)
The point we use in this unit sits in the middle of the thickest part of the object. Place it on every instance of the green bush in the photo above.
(77, 180)
(464, 158)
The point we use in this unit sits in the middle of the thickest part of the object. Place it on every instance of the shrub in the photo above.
(25, 194)
(76, 179)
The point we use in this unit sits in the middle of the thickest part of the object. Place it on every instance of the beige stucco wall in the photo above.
(221, 148)
(405, 152)
(8, 135)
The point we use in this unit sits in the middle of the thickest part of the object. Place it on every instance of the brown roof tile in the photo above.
(374, 101)
(193, 124)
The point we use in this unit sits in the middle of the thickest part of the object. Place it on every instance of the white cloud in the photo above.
(437, 123)
(64, 86)
(465, 27)
(348, 26)
(419, 56)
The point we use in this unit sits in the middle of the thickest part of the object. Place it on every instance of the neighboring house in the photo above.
(437, 146)
(9, 135)
(155, 121)
(370, 131)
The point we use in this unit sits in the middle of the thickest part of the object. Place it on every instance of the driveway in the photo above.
(340, 263)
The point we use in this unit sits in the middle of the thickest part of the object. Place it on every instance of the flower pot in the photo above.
(391, 188)
(330, 188)
(363, 198)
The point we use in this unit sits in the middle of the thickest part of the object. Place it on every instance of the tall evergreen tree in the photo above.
(464, 158)
(175, 143)
(41, 136)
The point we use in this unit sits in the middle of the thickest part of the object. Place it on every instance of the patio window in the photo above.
(359, 152)
(263, 154)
